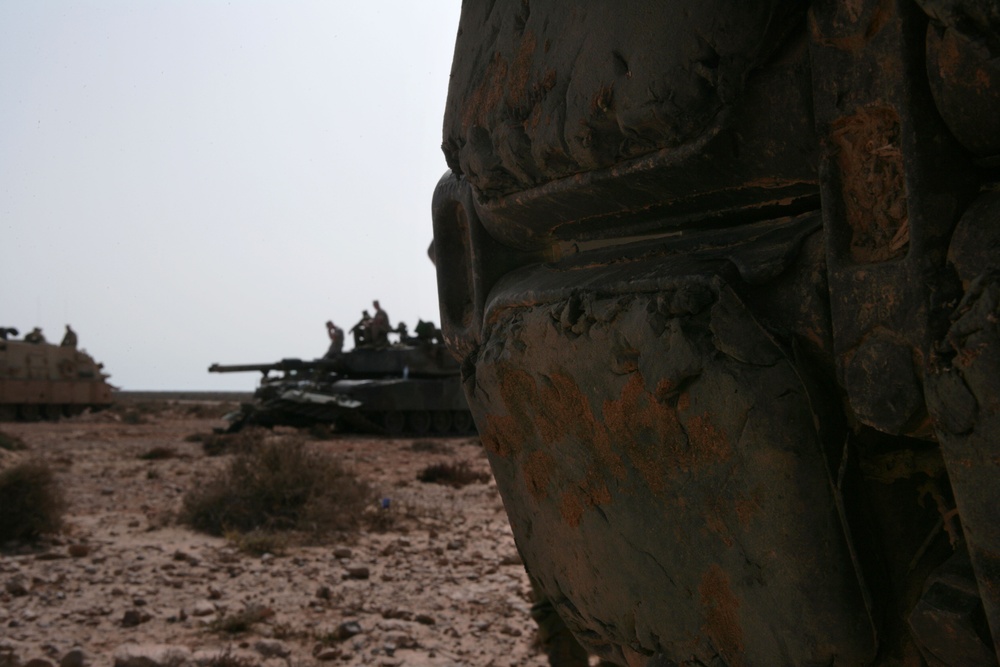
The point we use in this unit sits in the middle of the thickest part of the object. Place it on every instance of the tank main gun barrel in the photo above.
(243, 368)
(285, 365)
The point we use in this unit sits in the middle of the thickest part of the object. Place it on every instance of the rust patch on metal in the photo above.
(718, 508)
(538, 90)
(537, 471)
(571, 508)
(873, 190)
(550, 422)
(550, 411)
(949, 58)
(591, 493)
(664, 388)
(721, 611)
(653, 437)
(714, 510)
(562, 407)
(747, 508)
(492, 438)
(707, 444)
(854, 26)
(604, 99)
(648, 430)
(502, 82)
(966, 356)
(520, 70)
(505, 435)
(595, 489)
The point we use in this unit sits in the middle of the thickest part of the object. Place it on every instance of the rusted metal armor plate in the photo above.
(582, 112)
(663, 442)
(723, 280)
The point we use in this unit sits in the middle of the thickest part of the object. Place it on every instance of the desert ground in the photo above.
(434, 579)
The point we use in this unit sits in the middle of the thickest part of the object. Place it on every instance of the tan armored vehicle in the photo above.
(39, 380)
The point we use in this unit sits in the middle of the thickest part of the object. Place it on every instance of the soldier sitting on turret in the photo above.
(404, 334)
(362, 330)
(69, 339)
(7, 331)
(336, 335)
(34, 336)
(427, 332)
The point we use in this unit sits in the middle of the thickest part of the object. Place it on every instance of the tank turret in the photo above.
(410, 386)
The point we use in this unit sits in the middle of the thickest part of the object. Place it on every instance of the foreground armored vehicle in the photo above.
(725, 281)
(39, 380)
(411, 387)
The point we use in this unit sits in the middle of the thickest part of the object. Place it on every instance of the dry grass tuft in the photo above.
(134, 417)
(242, 621)
(279, 485)
(217, 444)
(31, 503)
(158, 454)
(259, 542)
(452, 474)
(229, 659)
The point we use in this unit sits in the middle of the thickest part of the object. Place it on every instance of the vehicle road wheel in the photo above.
(420, 422)
(462, 421)
(441, 421)
(393, 422)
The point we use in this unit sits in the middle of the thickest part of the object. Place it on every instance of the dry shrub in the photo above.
(381, 522)
(241, 621)
(278, 485)
(134, 417)
(31, 503)
(402, 515)
(217, 444)
(452, 474)
(11, 443)
(229, 659)
(259, 542)
(158, 453)
(383, 519)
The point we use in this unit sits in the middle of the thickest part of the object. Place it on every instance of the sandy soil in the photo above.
(440, 585)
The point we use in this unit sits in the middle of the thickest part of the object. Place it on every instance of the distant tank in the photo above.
(39, 380)
(410, 387)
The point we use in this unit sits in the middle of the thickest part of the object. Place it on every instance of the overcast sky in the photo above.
(198, 181)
